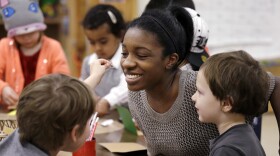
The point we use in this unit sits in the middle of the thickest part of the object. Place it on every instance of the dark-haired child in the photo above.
(104, 27)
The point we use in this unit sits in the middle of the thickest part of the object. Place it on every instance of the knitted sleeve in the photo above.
(275, 103)
(271, 84)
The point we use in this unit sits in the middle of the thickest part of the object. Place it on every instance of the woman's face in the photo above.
(28, 40)
(142, 61)
(103, 42)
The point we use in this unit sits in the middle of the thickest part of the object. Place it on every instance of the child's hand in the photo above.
(99, 66)
(9, 96)
(97, 69)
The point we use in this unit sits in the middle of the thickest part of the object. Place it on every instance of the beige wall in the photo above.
(141, 4)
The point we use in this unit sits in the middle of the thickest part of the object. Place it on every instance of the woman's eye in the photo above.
(124, 54)
(142, 56)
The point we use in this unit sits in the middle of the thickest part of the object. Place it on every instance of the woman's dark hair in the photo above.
(104, 13)
(173, 28)
(163, 4)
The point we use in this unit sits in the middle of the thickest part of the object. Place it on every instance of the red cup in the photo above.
(88, 149)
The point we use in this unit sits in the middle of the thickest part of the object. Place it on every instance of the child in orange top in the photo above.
(26, 54)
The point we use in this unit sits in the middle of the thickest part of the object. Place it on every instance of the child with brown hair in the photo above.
(53, 114)
(231, 86)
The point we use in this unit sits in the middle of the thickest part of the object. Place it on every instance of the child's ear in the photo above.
(75, 133)
(227, 104)
(172, 60)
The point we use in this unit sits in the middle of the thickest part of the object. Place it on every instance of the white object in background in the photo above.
(107, 122)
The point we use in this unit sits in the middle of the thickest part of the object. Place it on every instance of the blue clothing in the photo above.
(11, 146)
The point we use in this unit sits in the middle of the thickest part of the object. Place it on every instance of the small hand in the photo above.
(9, 96)
(99, 66)
(97, 69)
(102, 107)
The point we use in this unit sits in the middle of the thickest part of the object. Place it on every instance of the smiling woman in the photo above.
(160, 92)
(154, 47)
(140, 49)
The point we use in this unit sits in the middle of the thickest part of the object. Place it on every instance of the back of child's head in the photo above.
(166, 26)
(104, 13)
(50, 107)
(238, 77)
(21, 16)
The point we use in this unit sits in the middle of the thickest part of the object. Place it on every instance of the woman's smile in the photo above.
(132, 78)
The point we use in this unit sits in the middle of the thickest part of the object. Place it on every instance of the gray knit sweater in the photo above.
(177, 132)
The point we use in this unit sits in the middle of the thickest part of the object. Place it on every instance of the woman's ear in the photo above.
(227, 104)
(75, 133)
(172, 60)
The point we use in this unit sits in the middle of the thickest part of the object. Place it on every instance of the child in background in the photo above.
(230, 86)
(26, 54)
(53, 114)
(104, 27)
